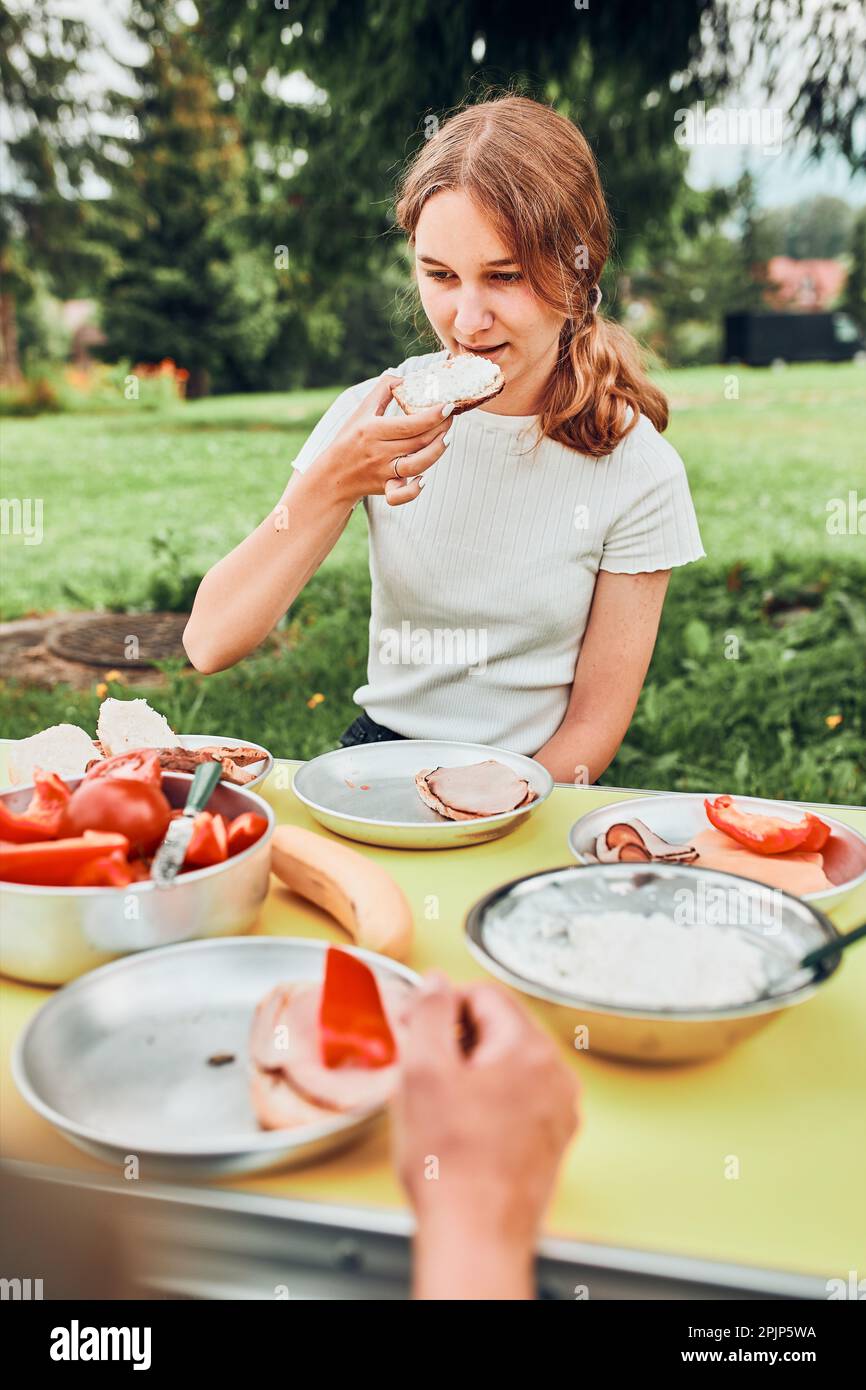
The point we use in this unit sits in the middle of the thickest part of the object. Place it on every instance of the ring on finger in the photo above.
(397, 473)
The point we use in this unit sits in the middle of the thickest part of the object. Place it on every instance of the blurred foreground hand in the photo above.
(483, 1113)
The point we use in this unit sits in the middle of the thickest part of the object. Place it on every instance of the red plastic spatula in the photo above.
(353, 1026)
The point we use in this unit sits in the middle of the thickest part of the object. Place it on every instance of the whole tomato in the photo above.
(138, 810)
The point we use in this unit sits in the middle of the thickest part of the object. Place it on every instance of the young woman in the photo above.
(519, 553)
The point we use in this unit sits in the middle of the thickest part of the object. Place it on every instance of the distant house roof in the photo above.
(804, 284)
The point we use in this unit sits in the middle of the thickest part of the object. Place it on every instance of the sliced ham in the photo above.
(290, 1077)
(481, 789)
(277, 1106)
(265, 1038)
(632, 841)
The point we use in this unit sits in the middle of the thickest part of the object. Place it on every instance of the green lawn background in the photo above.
(766, 451)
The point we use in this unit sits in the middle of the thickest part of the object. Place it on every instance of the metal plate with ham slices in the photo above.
(422, 793)
(681, 821)
(150, 1057)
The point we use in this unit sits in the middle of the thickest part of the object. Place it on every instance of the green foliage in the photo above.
(185, 283)
(171, 586)
(750, 715)
(698, 271)
(818, 228)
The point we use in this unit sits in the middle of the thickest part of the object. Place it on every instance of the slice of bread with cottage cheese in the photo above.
(465, 380)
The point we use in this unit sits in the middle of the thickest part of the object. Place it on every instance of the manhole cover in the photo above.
(120, 640)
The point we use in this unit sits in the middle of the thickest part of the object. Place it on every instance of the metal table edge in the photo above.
(560, 1262)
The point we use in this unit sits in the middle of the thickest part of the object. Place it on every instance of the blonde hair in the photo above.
(533, 174)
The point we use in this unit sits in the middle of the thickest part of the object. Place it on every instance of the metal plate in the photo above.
(118, 1061)
(368, 793)
(677, 818)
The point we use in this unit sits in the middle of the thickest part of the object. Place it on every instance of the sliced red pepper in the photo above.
(142, 764)
(244, 830)
(353, 1026)
(54, 862)
(209, 843)
(41, 820)
(112, 871)
(818, 835)
(763, 834)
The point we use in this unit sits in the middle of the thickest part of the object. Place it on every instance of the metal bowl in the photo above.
(678, 818)
(118, 1061)
(51, 935)
(368, 793)
(659, 1035)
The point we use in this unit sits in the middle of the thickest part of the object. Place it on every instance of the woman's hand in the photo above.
(360, 460)
(478, 1139)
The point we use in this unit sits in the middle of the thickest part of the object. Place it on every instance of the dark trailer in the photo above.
(759, 339)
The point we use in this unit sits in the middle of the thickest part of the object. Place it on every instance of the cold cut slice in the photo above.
(277, 1105)
(632, 841)
(336, 1088)
(289, 1077)
(481, 789)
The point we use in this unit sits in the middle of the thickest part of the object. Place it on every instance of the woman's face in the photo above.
(476, 297)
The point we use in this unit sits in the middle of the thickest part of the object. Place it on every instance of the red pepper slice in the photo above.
(41, 820)
(244, 830)
(142, 764)
(112, 871)
(209, 843)
(353, 1026)
(818, 835)
(54, 862)
(764, 834)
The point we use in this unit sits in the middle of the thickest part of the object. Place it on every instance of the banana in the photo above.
(361, 896)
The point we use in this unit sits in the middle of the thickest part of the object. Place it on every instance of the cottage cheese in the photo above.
(452, 380)
(627, 960)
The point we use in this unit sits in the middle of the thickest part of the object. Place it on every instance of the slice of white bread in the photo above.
(465, 380)
(126, 724)
(63, 748)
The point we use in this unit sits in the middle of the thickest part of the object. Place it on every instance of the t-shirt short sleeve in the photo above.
(653, 525)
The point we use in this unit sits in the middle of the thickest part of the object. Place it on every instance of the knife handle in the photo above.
(205, 779)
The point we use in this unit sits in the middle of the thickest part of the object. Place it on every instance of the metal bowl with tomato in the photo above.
(53, 931)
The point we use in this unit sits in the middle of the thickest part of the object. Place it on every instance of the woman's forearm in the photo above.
(245, 594)
(579, 753)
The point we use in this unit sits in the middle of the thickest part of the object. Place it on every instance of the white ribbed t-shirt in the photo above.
(481, 587)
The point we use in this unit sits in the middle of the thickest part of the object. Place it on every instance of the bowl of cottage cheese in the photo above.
(651, 963)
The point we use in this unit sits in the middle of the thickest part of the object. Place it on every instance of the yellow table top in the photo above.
(648, 1169)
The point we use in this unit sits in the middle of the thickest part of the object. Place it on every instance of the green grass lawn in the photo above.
(763, 468)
